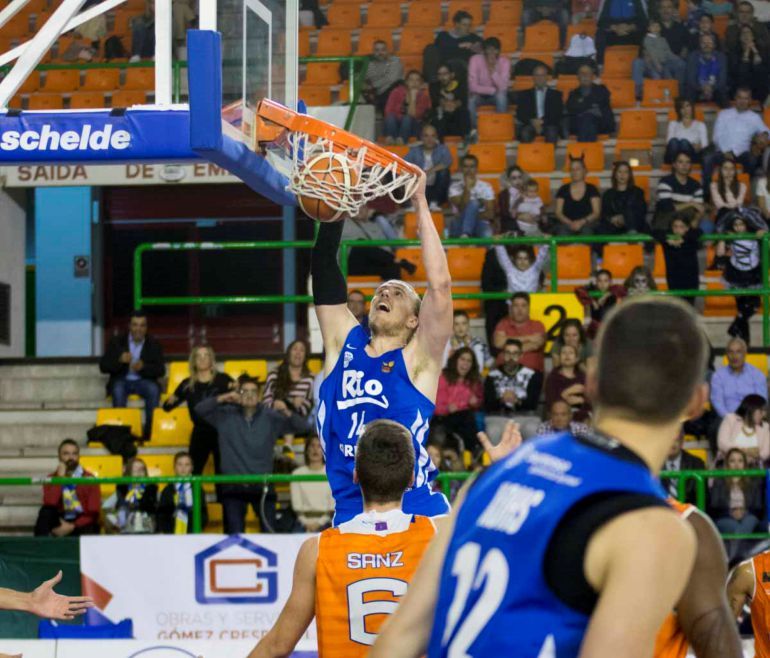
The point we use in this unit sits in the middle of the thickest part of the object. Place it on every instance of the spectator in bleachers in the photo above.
(731, 384)
(523, 271)
(681, 255)
(434, 159)
(493, 279)
(357, 306)
(727, 192)
(568, 383)
(685, 134)
(735, 503)
(578, 203)
(131, 509)
(460, 395)
(91, 32)
(748, 65)
(598, 307)
(678, 193)
(705, 25)
(474, 202)
(310, 14)
(680, 460)
(248, 431)
(452, 462)
(762, 195)
(640, 281)
(134, 361)
(143, 34)
(556, 11)
(452, 118)
(620, 23)
(747, 429)
(560, 420)
(539, 110)
(290, 385)
(581, 50)
(383, 73)
(405, 109)
(184, 16)
(457, 45)
(744, 15)
(489, 76)
(519, 325)
(462, 337)
(69, 510)
(175, 506)
(512, 391)
(673, 30)
(573, 334)
(204, 382)
(509, 198)
(759, 154)
(657, 61)
(706, 74)
(623, 208)
(530, 210)
(588, 107)
(761, 11)
(312, 502)
(447, 84)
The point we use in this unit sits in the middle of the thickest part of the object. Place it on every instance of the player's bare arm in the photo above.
(639, 563)
(424, 353)
(44, 602)
(703, 611)
(298, 611)
(740, 587)
(330, 292)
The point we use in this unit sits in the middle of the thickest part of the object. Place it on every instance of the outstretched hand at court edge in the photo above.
(510, 440)
(46, 603)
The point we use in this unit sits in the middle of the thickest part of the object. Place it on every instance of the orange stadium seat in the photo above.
(122, 25)
(722, 306)
(323, 73)
(86, 100)
(61, 80)
(492, 159)
(45, 102)
(495, 127)
(140, 77)
(618, 62)
(471, 306)
(509, 39)
(369, 35)
(424, 13)
(566, 83)
(344, 15)
(623, 148)
(101, 80)
(505, 12)
(415, 39)
(16, 103)
(473, 7)
(622, 93)
(659, 93)
(543, 36)
(543, 189)
(465, 263)
(644, 183)
(384, 15)
(35, 7)
(620, 259)
(414, 256)
(334, 42)
(31, 83)
(411, 62)
(720, 26)
(659, 271)
(410, 224)
(316, 95)
(522, 82)
(573, 261)
(399, 149)
(127, 98)
(638, 124)
(304, 44)
(17, 27)
(537, 157)
(589, 27)
(592, 152)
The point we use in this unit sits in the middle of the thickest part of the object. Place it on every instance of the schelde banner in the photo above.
(150, 135)
(191, 587)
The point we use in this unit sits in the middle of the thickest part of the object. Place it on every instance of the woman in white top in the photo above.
(762, 195)
(686, 134)
(312, 502)
(727, 192)
(746, 429)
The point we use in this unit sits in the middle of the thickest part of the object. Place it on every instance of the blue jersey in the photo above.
(359, 390)
(493, 597)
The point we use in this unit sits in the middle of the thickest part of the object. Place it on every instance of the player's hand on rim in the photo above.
(419, 192)
(510, 440)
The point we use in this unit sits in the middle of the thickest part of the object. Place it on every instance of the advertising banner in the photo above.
(191, 587)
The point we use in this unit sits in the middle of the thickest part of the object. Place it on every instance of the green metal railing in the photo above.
(445, 479)
(141, 300)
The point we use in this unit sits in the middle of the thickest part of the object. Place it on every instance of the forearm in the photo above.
(433, 255)
(329, 287)
(13, 600)
(207, 409)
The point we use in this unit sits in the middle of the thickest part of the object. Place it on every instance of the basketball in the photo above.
(327, 171)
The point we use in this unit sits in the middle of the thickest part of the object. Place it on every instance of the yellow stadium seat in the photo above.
(618, 62)
(316, 95)
(659, 271)
(323, 73)
(315, 365)
(105, 466)
(86, 100)
(45, 102)
(635, 147)
(171, 428)
(471, 306)
(721, 306)
(158, 464)
(543, 189)
(178, 371)
(252, 367)
(140, 77)
(756, 360)
(121, 416)
(701, 453)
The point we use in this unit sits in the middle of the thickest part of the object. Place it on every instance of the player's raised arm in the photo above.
(330, 291)
(740, 587)
(639, 563)
(435, 326)
(298, 611)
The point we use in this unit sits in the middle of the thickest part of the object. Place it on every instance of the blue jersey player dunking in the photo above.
(393, 375)
(566, 547)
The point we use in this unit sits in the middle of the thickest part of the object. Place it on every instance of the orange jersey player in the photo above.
(351, 578)
(750, 580)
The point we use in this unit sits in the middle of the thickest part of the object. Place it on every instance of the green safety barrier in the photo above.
(141, 300)
(444, 479)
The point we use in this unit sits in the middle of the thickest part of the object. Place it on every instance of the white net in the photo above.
(341, 178)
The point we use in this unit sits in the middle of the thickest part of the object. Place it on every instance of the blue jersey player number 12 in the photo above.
(393, 374)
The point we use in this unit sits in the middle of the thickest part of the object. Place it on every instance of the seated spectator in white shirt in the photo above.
(581, 50)
(312, 502)
(461, 337)
(685, 134)
(434, 159)
(560, 420)
(730, 384)
(747, 429)
(473, 200)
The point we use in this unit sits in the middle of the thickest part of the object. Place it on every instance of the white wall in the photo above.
(12, 264)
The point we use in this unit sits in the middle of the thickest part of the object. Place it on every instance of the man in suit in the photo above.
(539, 110)
(681, 460)
(588, 108)
(134, 362)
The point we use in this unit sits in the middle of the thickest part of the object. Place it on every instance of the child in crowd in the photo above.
(581, 50)
(640, 281)
(132, 508)
(529, 212)
(681, 254)
(598, 307)
(523, 273)
(659, 59)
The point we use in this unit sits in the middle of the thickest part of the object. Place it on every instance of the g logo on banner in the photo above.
(236, 570)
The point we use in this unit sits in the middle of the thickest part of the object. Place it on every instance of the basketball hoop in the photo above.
(340, 169)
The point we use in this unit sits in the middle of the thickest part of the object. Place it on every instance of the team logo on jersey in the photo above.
(387, 366)
(347, 359)
(356, 391)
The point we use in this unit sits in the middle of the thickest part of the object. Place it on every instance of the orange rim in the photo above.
(273, 119)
